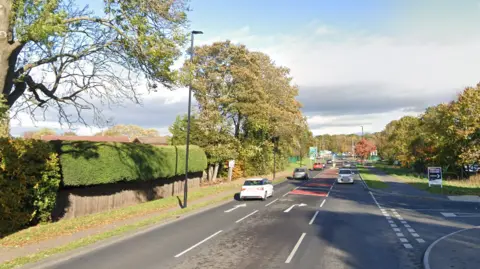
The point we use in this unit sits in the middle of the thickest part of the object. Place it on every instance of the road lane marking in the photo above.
(420, 240)
(197, 244)
(323, 202)
(407, 246)
(235, 207)
(407, 225)
(271, 202)
(415, 235)
(246, 216)
(411, 230)
(403, 240)
(396, 229)
(290, 257)
(285, 194)
(448, 214)
(393, 225)
(313, 218)
(403, 221)
(290, 208)
(400, 235)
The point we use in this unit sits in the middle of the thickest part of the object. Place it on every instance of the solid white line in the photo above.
(290, 257)
(426, 262)
(271, 202)
(313, 218)
(323, 202)
(197, 244)
(246, 216)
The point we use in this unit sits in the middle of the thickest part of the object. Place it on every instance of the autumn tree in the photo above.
(56, 54)
(38, 134)
(132, 131)
(364, 147)
(69, 133)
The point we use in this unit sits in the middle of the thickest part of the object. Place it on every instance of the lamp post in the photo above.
(362, 131)
(185, 189)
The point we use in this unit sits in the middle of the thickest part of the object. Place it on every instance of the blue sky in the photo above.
(356, 62)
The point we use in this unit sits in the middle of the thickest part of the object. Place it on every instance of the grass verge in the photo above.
(372, 180)
(20, 261)
(469, 186)
(66, 227)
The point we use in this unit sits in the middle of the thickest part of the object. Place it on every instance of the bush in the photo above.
(87, 163)
(29, 181)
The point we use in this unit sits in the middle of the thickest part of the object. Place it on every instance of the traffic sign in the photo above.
(435, 176)
(312, 153)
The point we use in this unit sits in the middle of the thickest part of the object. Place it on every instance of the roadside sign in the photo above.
(231, 163)
(435, 176)
(312, 153)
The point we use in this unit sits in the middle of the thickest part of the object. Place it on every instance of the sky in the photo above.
(356, 63)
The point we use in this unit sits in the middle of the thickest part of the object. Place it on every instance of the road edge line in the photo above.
(426, 255)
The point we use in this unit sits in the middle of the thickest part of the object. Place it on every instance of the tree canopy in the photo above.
(57, 54)
(131, 131)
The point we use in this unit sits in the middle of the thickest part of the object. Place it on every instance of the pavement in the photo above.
(307, 224)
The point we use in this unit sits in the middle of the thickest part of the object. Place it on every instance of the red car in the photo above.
(318, 166)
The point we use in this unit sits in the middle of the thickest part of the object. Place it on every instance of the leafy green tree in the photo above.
(55, 53)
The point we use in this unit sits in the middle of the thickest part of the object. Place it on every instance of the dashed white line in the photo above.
(396, 229)
(393, 225)
(411, 230)
(246, 216)
(415, 234)
(323, 202)
(285, 194)
(407, 225)
(403, 240)
(407, 246)
(290, 257)
(271, 202)
(197, 244)
(420, 240)
(313, 218)
(400, 234)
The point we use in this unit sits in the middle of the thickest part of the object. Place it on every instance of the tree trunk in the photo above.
(215, 172)
(210, 173)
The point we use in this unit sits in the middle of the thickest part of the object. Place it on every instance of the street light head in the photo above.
(197, 32)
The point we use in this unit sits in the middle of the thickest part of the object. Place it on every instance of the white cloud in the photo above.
(400, 67)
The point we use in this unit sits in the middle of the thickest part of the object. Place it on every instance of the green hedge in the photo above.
(90, 163)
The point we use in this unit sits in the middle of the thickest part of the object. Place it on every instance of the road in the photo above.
(312, 224)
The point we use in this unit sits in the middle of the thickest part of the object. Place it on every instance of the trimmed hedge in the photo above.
(87, 163)
(29, 181)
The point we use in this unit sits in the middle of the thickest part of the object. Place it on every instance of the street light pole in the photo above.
(185, 189)
(362, 131)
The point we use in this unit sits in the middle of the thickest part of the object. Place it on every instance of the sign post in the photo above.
(231, 165)
(435, 176)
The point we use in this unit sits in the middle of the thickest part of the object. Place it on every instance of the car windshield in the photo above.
(345, 172)
(253, 183)
(299, 170)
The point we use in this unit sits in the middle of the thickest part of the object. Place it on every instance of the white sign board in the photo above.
(231, 163)
(435, 176)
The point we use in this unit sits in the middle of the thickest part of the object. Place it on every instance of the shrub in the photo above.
(29, 181)
(87, 163)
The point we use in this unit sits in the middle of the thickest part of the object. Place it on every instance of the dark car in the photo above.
(300, 173)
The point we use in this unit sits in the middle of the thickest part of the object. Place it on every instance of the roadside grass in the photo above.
(469, 186)
(51, 230)
(372, 180)
(69, 226)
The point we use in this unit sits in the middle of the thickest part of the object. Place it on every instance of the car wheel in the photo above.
(265, 196)
(272, 193)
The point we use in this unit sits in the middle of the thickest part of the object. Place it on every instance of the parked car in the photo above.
(318, 166)
(300, 173)
(345, 176)
(260, 188)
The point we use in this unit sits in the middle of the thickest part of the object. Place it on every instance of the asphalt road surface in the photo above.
(307, 224)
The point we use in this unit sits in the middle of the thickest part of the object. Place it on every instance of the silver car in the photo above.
(300, 173)
(345, 176)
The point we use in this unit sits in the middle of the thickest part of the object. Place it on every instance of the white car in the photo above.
(345, 176)
(261, 188)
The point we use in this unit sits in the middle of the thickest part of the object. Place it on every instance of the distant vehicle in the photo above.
(260, 188)
(329, 161)
(318, 166)
(300, 173)
(345, 176)
(347, 165)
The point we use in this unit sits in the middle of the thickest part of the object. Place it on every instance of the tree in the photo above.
(132, 131)
(54, 54)
(364, 147)
(38, 134)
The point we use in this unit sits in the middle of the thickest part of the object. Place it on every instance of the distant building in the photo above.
(123, 139)
(154, 140)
